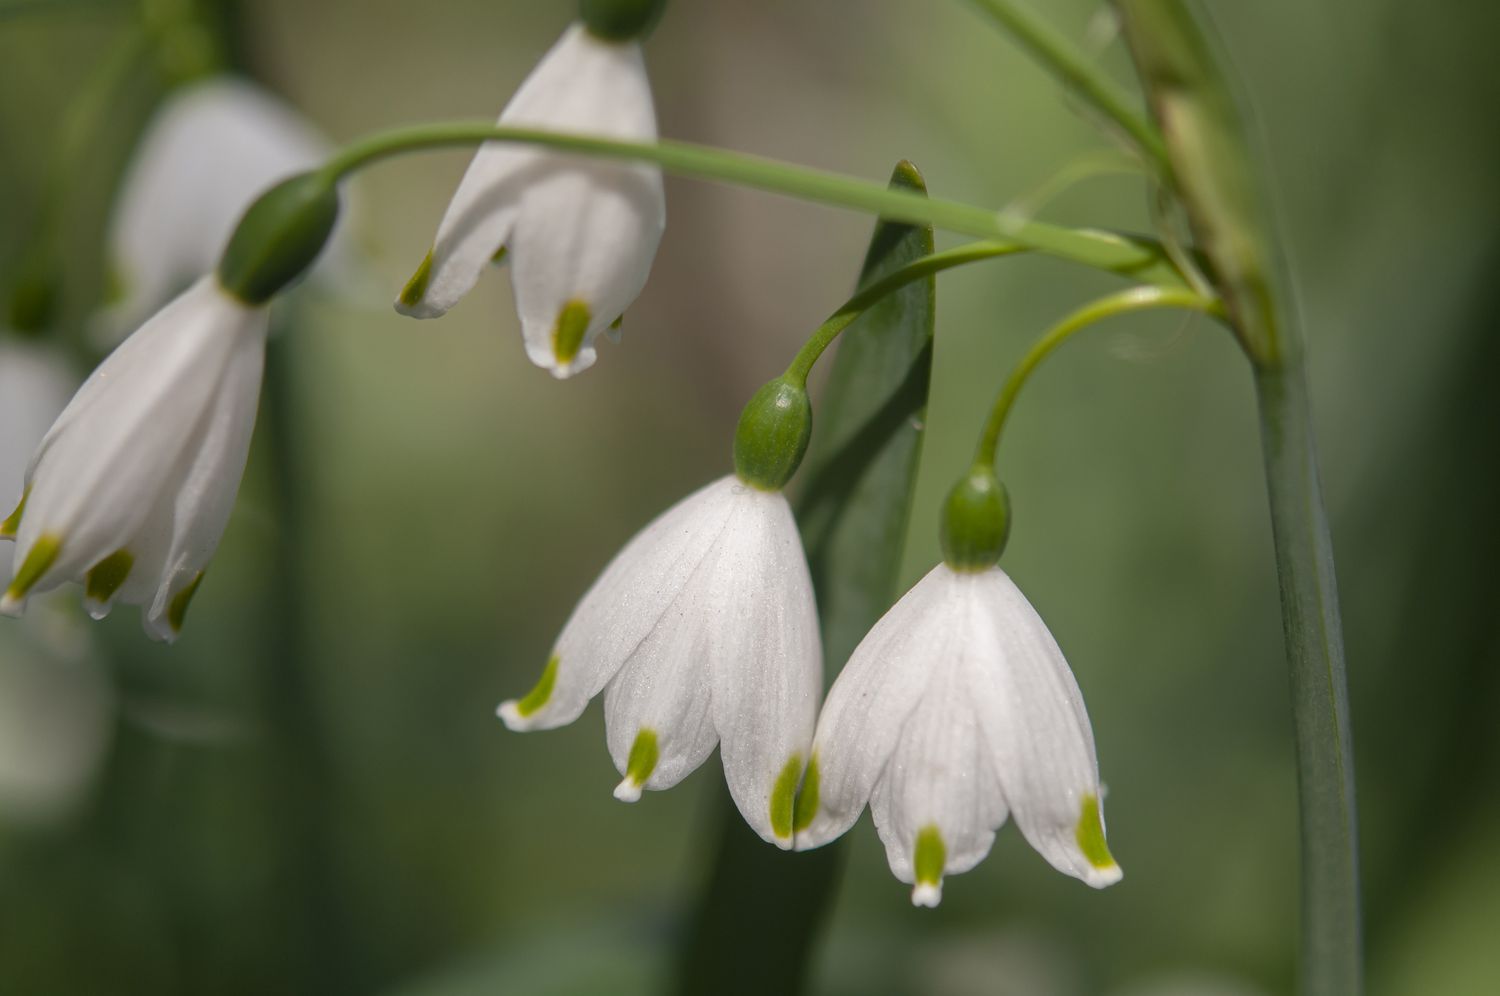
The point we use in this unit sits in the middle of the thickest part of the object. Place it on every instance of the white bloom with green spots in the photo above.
(130, 490)
(955, 710)
(580, 234)
(702, 631)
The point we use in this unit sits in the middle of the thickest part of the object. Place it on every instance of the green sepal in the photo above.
(620, 20)
(279, 237)
(772, 435)
(976, 521)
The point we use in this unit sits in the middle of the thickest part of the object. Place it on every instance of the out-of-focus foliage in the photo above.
(310, 792)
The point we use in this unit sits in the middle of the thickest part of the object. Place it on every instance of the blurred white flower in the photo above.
(132, 487)
(35, 384)
(56, 715)
(703, 630)
(580, 234)
(208, 152)
(957, 707)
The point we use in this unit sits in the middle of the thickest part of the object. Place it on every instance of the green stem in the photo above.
(1331, 947)
(1125, 302)
(867, 298)
(1079, 74)
(1140, 259)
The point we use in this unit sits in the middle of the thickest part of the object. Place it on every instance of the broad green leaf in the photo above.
(755, 924)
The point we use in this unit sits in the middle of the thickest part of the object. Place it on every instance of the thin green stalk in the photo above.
(1331, 949)
(1079, 74)
(1139, 259)
(1125, 302)
(841, 319)
(1217, 183)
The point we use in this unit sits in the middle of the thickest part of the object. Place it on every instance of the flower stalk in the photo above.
(1138, 258)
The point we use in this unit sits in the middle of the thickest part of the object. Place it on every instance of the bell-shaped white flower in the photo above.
(955, 709)
(131, 489)
(580, 234)
(702, 631)
(35, 384)
(207, 152)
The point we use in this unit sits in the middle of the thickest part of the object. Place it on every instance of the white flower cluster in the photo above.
(955, 712)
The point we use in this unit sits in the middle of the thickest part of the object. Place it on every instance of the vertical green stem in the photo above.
(1330, 962)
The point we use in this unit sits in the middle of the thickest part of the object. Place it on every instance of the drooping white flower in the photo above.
(956, 709)
(132, 487)
(703, 630)
(207, 152)
(35, 384)
(580, 234)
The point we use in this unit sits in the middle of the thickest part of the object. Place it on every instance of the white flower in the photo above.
(580, 234)
(958, 707)
(131, 489)
(210, 149)
(703, 630)
(35, 384)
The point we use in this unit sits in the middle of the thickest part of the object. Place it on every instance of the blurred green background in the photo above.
(310, 792)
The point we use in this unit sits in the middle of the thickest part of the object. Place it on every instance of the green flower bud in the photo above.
(279, 237)
(976, 521)
(772, 435)
(620, 20)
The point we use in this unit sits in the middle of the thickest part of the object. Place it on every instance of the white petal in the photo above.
(587, 232)
(35, 384)
(664, 689)
(940, 779)
(766, 659)
(106, 463)
(577, 229)
(625, 605)
(871, 700)
(206, 154)
(1039, 736)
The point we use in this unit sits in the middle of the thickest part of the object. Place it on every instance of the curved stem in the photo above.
(1079, 74)
(1125, 302)
(1140, 259)
(841, 319)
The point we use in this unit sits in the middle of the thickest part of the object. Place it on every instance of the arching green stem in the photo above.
(1079, 74)
(1141, 259)
(1125, 302)
(841, 319)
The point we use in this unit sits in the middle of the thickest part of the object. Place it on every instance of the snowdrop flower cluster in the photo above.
(957, 710)
(580, 235)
